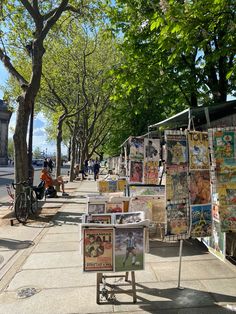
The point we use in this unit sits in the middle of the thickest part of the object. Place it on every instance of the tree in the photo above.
(37, 153)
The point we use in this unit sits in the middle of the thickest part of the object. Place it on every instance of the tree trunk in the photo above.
(58, 145)
(73, 154)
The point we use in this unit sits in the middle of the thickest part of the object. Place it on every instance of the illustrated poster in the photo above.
(177, 218)
(176, 184)
(98, 249)
(200, 187)
(136, 171)
(201, 220)
(121, 184)
(198, 150)
(151, 172)
(152, 149)
(176, 149)
(136, 148)
(96, 208)
(227, 218)
(103, 187)
(224, 144)
(127, 218)
(142, 203)
(114, 207)
(112, 186)
(129, 249)
(135, 190)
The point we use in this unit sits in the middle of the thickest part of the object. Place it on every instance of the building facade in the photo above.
(5, 116)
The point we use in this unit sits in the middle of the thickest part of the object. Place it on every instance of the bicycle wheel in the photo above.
(34, 203)
(22, 205)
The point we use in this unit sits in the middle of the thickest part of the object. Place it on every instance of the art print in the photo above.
(136, 148)
(200, 187)
(223, 144)
(143, 204)
(228, 218)
(96, 208)
(136, 190)
(151, 172)
(129, 249)
(201, 220)
(226, 173)
(152, 149)
(127, 218)
(177, 218)
(136, 171)
(114, 207)
(198, 150)
(176, 150)
(98, 249)
(227, 194)
(176, 184)
(112, 186)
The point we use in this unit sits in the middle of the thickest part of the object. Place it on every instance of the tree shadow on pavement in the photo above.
(13, 244)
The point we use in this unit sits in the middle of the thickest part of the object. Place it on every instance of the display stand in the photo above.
(109, 295)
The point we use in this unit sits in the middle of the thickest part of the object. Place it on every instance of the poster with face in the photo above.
(177, 218)
(198, 150)
(151, 172)
(136, 148)
(129, 249)
(176, 149)
(136, 171)
(201, 221)
(176, 184)
(98, 249)
(152, 149)
(200, 187)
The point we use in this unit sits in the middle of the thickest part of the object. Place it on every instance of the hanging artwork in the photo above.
(177, 218)
(176, 184)
(129, 249)
(151, 172)
(200, 187)
(227, 218)
(136, 148)
(98, 249)
(198, 150)
(176, 148)
(201, 220)
(152, 149)
(112, 186)
(136, 171)
(224, 144)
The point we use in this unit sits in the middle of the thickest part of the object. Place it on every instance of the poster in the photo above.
(136, 148)
(97, 208)
(227, 218)
(121, 184)
(224, 144)
(200, 187)
(176, 184)
(114, 207)
(176, 149)
(198, 150)
(129, 249)
(151, 172)
(201, 220)
(112, 186)
(136, 171)
(152, 149)
(98, 219)
(227, 194)
(226, 172)
(103, 187)
(135, 190)
(142, 203)
(177, 218)
(127, 218)
(98, 249)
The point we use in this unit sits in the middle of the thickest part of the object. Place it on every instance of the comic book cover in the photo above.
(98, 208)
(176, 149)
(121, 184)
(103, 186)
(114, 207)
(136, 148)
(98, 219)
(200, 187)
(143, 204)
(159, 209)
(201, 220)
(223, 144)
(129, 249)
(152, 149)
(136, 171)
(198, 150)
(135, 190)
(177, 218)
(228, 218)
(98, 249)
(176, 183)
(151, 172)
(127, 218)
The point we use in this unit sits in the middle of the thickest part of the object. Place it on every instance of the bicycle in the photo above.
(27, 200)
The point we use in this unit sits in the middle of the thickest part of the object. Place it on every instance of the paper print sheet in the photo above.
(177, 218)
(151, 172)
(176, 149)
(127, 218)
(198, 150)
(136, 148)
(98, 219)
(201, 220)
(200, 187)
(143, 204)
(136, 190)
(114, 207)
(152, 149)
(96, 208)
(129, 249)
(98, 249)
(228, 218)
(176, 183)
(136, 171)
(224, 144)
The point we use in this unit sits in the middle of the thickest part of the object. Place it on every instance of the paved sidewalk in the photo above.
(43, 259)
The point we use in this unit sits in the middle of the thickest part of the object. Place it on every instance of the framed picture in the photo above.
(96, 208)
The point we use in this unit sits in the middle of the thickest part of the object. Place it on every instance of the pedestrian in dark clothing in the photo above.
(86, 166)
(45, 163)
(96, 168)
(50, 164)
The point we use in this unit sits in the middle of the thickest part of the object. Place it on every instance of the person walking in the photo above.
(96, 169)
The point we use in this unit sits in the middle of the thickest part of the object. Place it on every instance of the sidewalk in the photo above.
(42, 259)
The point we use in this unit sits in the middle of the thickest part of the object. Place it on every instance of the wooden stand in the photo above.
(132, 291)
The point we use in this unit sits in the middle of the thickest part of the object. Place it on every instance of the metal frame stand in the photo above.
(110, 293)
(180, 262)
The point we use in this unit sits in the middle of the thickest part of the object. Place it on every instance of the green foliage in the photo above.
(37, 152)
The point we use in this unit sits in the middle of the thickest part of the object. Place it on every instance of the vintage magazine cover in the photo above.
(201, 220)
(129, 249)
(137, 190)
(200, 187)
(227, 218)
(103, 187)
(176, 183)
(96, 208)
(136, 148)
(136, 171)
(127, 218)
(98, 219)
(142, 203)
(152, 149)
(198, 150)
(176, 149)
(177, 218)
(224, 144)
(151, 172)
(98, 249)
(113, 207)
